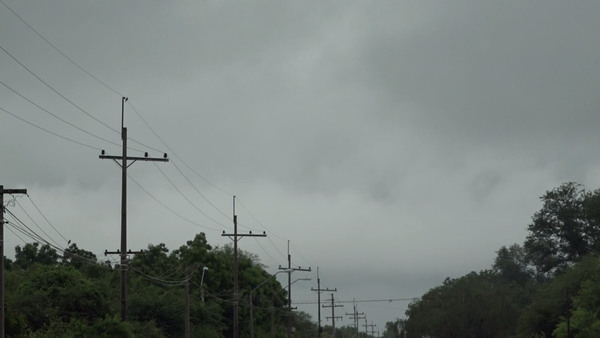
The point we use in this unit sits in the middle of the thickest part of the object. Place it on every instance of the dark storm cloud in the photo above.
(401, 140)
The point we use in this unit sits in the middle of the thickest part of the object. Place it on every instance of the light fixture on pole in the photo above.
(201, 281)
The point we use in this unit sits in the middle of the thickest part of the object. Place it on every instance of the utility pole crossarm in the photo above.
(295, 269)
(13, 191)
(250, 234)
(321, 290)
(134, 158)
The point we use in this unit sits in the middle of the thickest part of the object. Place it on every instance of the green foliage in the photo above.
(395, 329)
(565, 229)
(583, 282)
(77, 257)
(552, 300)
(164, 306)
(75, 296)
(475, 305)
(584, 321)
(56, 293)
(513, 265)
(32, 253)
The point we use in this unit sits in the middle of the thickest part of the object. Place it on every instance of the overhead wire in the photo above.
(59, 51)
(49, 131)
(76, 64)
(133, 140)
(56, 116)
(174, 153)
(26, 230)
(131, 105)
(265, 228)
(44, 216)
(200, 193)
(14, 233)
(21, 227)
(56, 91)
(299, 254)
(169, 209)
(185, 163)
(166, 282)
(213, 295)
(186, 198)
(34, 222)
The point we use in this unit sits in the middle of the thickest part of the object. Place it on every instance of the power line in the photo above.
(48, 131)
(74, 63)
(34, 222)
(175, 154)
(299, 254)
(169, 209)
(198, 191)
(56, 116)
(38, 209)
(25, 230)
(118, 93)
(57, 92)
(19, 237)
(59, 51)
(186, 198)
(265, 228)
(159, 280)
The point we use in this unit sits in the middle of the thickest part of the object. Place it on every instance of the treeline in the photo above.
(78, 295)
(549, 286)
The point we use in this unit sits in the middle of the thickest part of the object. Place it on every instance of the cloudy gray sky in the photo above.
(394, 143)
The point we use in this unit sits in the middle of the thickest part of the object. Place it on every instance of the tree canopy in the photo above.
(565, 229)
(74, 295)
(547, 287)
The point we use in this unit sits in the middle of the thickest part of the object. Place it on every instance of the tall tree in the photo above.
(565, 229)
(513, 265)
(475, 305)
(32, 253)
(551, 303)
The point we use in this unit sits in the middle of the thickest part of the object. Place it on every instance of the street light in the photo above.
(250, 298)
(201, 281)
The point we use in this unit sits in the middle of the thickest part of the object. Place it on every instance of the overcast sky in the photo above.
(393, 143)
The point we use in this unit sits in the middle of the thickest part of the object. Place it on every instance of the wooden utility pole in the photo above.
(290, 270)
(319, 290)
(333, 317)
(367, 326)
(124, 165)
(2, 192)
(355, 315)
(234, 237)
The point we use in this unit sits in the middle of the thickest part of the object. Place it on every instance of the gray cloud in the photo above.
(393, 143)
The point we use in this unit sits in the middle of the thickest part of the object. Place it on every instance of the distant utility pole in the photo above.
(124, 165)
(367, 326)
(355, 315)
(289, 328)
(319, 290)
(2, 192)
(333, 317)
(234, 237)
